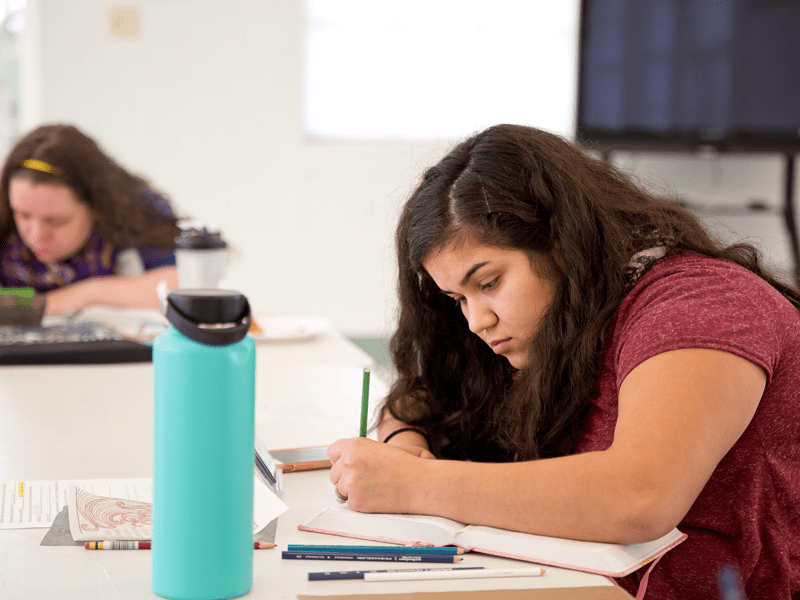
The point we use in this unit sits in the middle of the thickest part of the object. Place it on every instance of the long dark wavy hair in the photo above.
(521, 188)
(113, 194)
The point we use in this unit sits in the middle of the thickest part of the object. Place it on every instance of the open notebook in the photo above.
(612, 560)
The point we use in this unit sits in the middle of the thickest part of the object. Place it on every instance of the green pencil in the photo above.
(364, 403)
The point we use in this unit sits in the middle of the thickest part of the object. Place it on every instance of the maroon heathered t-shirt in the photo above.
(748, 514)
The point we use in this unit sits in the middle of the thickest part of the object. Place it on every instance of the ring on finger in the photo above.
(339, 498)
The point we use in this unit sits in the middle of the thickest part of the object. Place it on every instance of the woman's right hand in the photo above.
(376, 477)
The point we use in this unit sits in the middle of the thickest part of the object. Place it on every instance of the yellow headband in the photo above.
(40, 165)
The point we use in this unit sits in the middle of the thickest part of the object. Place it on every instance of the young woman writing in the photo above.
(579, 358)
(78, 227)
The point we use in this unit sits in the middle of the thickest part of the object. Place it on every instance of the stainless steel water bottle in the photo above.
(204, 427)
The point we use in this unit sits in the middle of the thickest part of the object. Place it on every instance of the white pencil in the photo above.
(452, 574)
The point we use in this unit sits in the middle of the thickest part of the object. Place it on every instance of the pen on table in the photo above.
(378, 549)
(364, 403)
(129, 545)
(328, 575)
(427, 574)
(385, 557)
(524, 572)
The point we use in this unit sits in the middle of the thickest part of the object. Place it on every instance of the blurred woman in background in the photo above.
(78, 227)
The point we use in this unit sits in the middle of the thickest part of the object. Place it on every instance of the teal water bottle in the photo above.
(204, 429)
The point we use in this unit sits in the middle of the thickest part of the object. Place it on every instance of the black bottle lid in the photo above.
(209, 316)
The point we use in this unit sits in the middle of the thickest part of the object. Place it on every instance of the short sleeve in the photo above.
(154, 257)
(716, 305)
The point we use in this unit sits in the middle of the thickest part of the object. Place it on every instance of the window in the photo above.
(431, 69)
(12, 19)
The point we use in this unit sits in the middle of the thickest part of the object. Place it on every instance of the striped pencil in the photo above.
(117, 545)
(128, 545)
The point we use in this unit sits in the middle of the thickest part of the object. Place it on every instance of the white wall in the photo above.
(206, 102)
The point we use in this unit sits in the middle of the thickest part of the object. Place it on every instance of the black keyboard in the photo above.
(86, 343)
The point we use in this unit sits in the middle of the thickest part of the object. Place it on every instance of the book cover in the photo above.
(611, 560)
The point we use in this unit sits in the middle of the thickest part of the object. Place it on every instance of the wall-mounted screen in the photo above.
(681, 74)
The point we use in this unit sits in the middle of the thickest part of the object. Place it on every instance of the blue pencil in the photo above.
(385, 557)
(378, 549)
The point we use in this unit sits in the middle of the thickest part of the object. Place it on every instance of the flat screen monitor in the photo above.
(684, 74)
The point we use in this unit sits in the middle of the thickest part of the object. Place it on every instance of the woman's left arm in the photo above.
(679, 414)
(138, 291)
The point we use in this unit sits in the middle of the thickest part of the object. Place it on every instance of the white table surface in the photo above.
(93, 422)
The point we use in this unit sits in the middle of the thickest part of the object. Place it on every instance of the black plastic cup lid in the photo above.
(199, 239)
